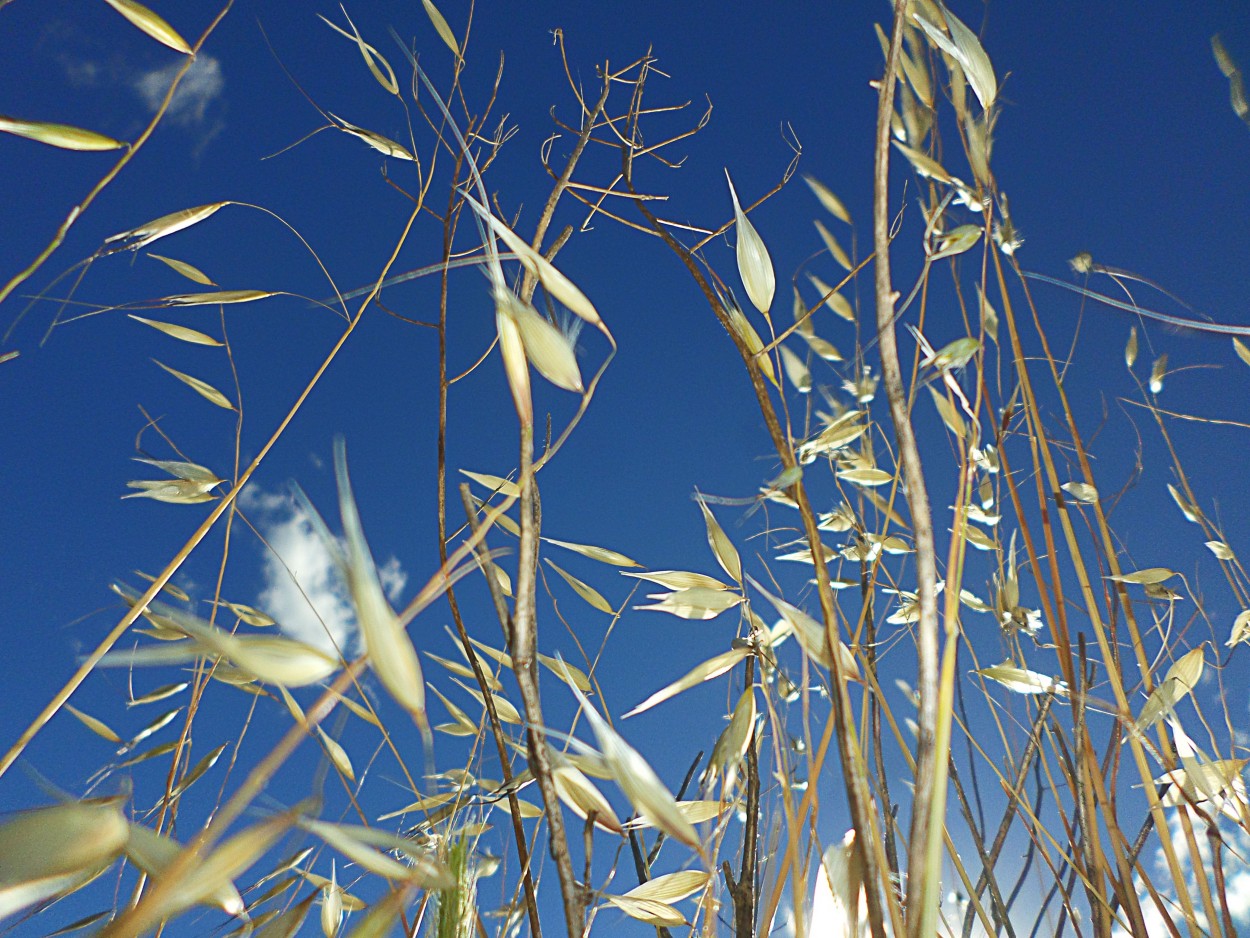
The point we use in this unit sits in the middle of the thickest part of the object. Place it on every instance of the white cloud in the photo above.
(1236, 884)
(303, 590)
(201, 86)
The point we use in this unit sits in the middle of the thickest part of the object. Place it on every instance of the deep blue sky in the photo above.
(1115, 137)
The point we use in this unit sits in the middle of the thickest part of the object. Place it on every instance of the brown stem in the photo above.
(525, 666)
(745, 895)
(926, 827)
(501, 743)
(854, 768)
(455, 203)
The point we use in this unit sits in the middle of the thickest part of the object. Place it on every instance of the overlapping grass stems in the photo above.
(1074, 765)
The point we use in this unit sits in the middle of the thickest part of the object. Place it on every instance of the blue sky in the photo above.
(1115, 137)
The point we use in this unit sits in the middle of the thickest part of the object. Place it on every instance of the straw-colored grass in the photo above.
(1000, 697)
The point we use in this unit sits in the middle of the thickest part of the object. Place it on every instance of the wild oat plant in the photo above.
(848, 793)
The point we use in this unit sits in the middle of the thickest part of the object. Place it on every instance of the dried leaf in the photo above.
(694, 603)
(1188, 508)
(833, 205)
(956, 242)
(838, 435)
(839, 897)
(494, 483)
(50, 851)
(1221, 550)
(99, 727)
(331, 906)
(181, 333)
(868, 477)
(251, 615)
(547, 348)
(188, 270)
(696, 812)
(824, 349)
(172, 491)
(155, 726)
(1023, 681)
(463, 725)
(583, 797)
(812, 636)
(832, 246)
(271, 659)
(989, 317)
(732, 744)
(196, 771)
(796, 371)
(671, 887)
(391, 653)
(1242, 352)
(713, 667)
(648, 910)
(384, 145)
(923, 164)
(504, 708)
(338, 755)
(638, 780)
(751, 339)
(217, 297)
(61, 136)
(1158, 372)
(978, 538)
(680, 579)
(1181, 678)
(1241, 629)
(755, 267)
(602, 554)
(839, 304)
(515, 364)
(154, 853)
(954, 355)
(1236, 81)
(964, 47)
(1205, 781)
(588, 593)
(1081, 491)
(455, 667)
(161, 693)
(802, 320)
(558, 285)
(1142, 577)
(565, 672)
(211, 879)
(947, 411)
(372, 57)
(722, 546)
(423, 804)
(151, 24)
(358, 844)
(205, 390)
(441, 27)
(163, 226)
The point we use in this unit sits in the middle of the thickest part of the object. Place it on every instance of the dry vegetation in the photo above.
(1074, 758)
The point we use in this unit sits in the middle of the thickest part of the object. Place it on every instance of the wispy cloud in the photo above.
(302, 590)
(1236, 884)
(202, 85)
